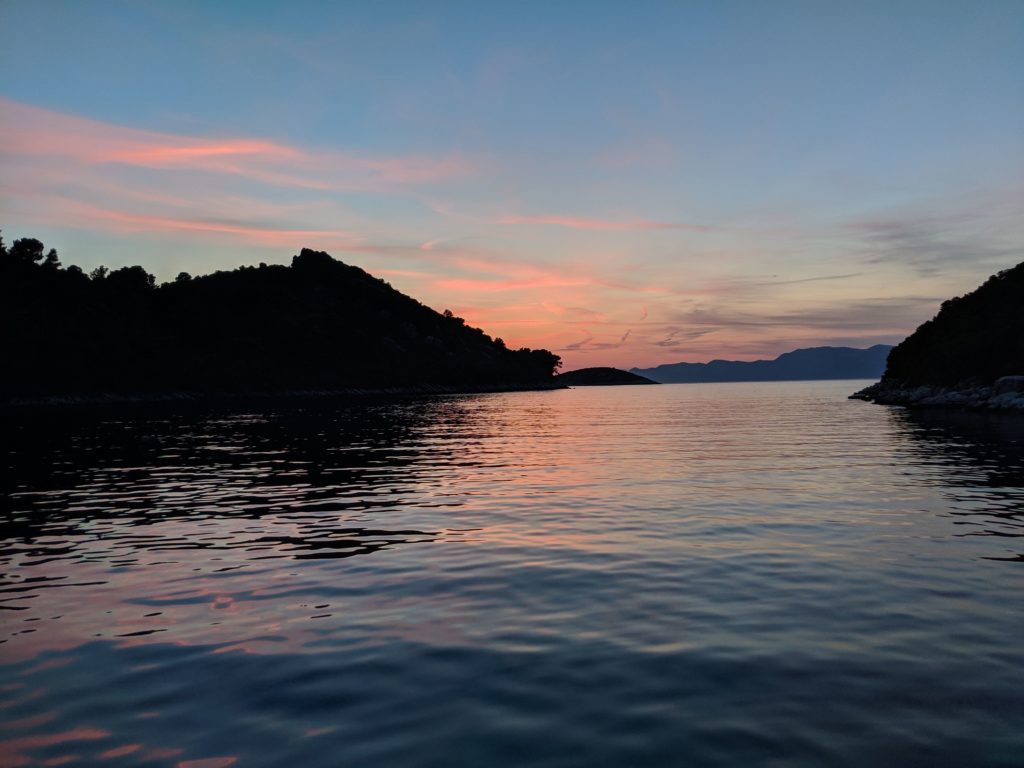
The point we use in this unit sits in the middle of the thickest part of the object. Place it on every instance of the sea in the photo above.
(755, 574)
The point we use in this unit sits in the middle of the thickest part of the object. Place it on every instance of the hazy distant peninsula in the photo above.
(800, 364)
(600, 377)
(318, 325)
(971, 354)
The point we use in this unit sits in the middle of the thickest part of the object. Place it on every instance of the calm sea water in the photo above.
(684, 575)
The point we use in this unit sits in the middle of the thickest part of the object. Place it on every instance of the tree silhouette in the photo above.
(27, 250)
(974, 339)
(319, 324)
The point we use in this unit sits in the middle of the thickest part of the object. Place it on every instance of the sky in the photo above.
(625, 184)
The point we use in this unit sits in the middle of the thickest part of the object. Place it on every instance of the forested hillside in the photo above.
(318, 324)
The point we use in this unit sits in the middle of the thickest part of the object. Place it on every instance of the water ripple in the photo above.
(690, 574)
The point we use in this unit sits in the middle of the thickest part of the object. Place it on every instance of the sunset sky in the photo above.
(623, 183)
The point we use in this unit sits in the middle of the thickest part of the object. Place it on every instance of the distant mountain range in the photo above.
(800, 364)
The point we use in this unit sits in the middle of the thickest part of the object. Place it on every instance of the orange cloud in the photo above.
(498, 285)
(497, 276)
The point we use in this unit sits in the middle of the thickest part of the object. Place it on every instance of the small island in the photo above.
(600, 377)
(970, 355)
(318, 326)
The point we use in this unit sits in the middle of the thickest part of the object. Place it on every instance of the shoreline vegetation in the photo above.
(322, 328)
(316, 327)
(970, 355)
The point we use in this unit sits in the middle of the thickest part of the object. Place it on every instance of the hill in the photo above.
(971, 353)
(316, 325)
(811, 363)
(600, 377)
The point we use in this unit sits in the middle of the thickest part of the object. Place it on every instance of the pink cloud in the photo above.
(492, 285)
(601, 225)
(573, 314)
(76, 213)
(170, 155)
(264, 235)
(413, 273)
(32, 131)
(74, 171)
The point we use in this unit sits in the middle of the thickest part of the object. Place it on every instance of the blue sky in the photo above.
(622, 183)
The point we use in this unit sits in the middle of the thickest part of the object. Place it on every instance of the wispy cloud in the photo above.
(29, 131)
(181, 219)
(983, 231)
(62, 170)
(577, 345)
(263, 235)
(536, 281)
(819, 279)
(677, 338)
(601, 225)
(889, 315)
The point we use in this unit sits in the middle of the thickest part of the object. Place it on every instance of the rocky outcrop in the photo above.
(970, 355)
(1006, 393)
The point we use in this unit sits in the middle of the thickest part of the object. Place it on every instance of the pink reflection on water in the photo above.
(162, 753)
(127, 749)
(25, 723)
(12, 751)
(311, 733)
(42, 666)
(208, 762)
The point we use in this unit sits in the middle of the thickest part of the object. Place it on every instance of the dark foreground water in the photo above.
(684, 575)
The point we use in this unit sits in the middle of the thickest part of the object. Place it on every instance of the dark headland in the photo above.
(600, 377)
(971, 354)
(316, 326)
(811, 363)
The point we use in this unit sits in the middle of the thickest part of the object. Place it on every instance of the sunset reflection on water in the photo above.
(713, 572)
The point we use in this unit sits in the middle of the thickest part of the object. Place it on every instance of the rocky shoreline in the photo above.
(1007, 393)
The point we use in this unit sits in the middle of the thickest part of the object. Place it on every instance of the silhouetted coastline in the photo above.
(970, 355)
(316, 327)
(600, 377)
